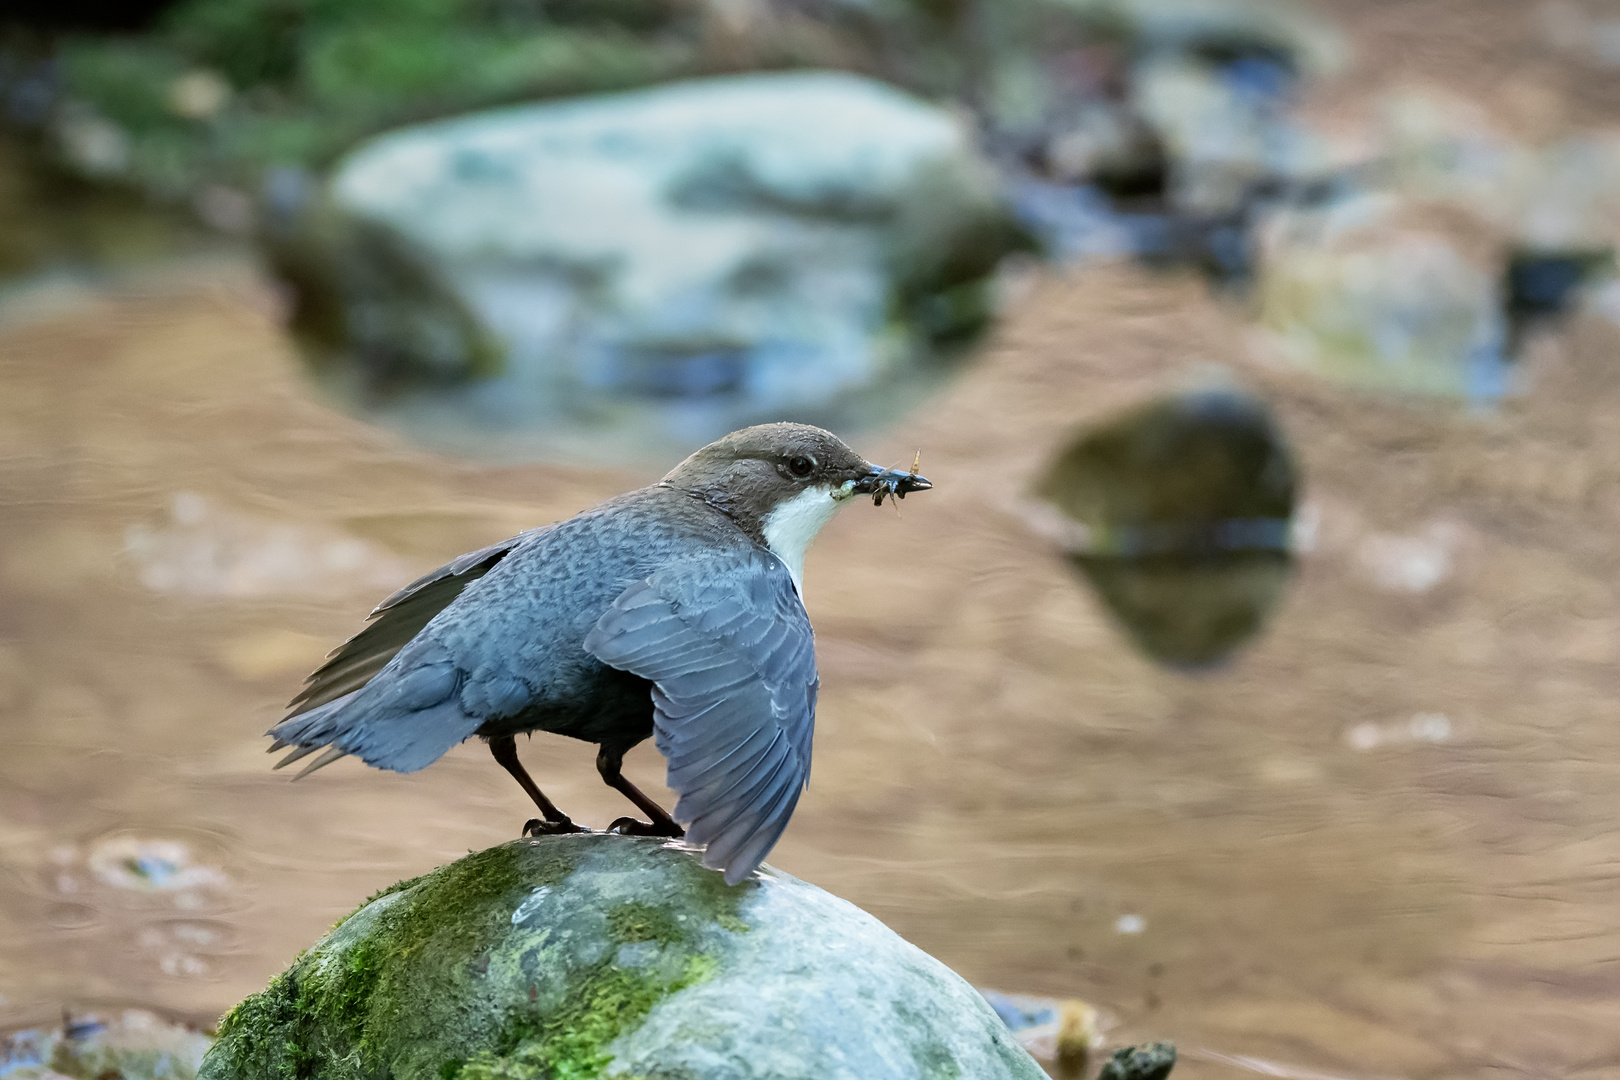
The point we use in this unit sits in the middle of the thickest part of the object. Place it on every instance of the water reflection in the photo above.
(1181, 512)
(998, 776)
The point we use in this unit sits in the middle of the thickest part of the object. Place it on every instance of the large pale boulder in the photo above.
(595, 955)
(726, 249)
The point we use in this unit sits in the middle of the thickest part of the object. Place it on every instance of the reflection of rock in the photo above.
(591, 955)
(1190, 612)
(737, 247)
(1183, 510)
(129, 1045)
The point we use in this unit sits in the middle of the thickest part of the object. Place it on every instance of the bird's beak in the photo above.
(896, 482)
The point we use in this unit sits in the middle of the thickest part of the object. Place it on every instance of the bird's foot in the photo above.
(629, 826)
(538, 827)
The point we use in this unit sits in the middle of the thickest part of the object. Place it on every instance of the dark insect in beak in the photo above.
(883, 482)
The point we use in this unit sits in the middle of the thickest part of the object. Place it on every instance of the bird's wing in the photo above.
(728, 648)
(394, 622)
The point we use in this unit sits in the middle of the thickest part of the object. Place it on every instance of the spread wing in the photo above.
(395, 622)
(729, 650)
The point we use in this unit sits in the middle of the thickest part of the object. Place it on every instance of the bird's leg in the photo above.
(505, 750)
(608, 763)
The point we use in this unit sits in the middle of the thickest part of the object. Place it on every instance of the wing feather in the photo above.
(395, 622)
(729, 650)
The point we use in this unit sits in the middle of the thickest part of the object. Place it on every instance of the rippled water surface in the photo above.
(1379, 843)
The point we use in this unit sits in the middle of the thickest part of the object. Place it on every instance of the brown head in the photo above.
(782, 482)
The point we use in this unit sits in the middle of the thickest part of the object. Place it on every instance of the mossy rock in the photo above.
(592, 955)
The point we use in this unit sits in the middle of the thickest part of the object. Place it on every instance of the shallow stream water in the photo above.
(1378, 843)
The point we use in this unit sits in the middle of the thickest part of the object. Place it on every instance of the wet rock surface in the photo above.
(595, 955)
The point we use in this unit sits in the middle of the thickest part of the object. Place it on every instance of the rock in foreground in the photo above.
(592, 955)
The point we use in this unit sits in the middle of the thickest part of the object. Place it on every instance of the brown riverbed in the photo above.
(1381, 843)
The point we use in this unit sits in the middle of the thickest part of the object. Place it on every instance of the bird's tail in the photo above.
(310, 731)
(403, 740)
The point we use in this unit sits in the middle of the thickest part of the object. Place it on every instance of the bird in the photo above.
(673, 611)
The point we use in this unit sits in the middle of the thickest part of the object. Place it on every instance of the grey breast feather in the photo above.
(728, 647)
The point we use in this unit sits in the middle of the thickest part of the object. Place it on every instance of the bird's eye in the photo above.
(801, 466)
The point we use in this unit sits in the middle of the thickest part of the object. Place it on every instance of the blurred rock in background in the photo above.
(1413, 257)
(129, 1044)
(671, 262)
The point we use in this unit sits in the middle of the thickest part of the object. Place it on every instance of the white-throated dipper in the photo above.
(672, 611)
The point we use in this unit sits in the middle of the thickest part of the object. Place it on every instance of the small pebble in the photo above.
(1150, 1061)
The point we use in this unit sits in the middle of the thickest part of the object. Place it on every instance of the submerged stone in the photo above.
(1179, 513)
(592, 955)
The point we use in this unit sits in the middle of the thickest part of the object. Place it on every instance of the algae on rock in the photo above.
(590, 955)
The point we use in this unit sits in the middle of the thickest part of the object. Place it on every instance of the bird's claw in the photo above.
(538, 827)
(629, 826)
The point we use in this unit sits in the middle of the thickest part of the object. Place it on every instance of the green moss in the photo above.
(707, 895)
(421, 329)
(636, 921)
(254, 1037)
(337, 1009)
(571, 1043)
(732, 923)
(397, 987)
(934, 1061)
(340, 71)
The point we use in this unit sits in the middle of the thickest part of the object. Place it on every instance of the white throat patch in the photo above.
(793, 524)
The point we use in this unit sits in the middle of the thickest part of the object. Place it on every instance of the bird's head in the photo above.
(782, 482)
